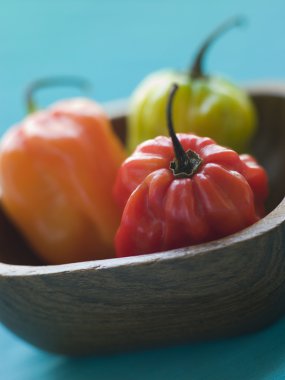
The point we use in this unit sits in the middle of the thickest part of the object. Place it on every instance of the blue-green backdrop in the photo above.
(115, 44)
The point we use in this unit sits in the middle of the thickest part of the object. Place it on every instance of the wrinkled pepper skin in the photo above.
(161, 212)
(57, 170)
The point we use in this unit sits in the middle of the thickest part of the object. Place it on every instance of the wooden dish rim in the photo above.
(266, 224)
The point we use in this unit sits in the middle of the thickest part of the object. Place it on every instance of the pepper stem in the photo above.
(196, 70)
(37, 85)
(185, 164)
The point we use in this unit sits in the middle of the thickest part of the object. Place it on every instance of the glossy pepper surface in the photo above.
(57, 170)
(204, 194)
(206, 105)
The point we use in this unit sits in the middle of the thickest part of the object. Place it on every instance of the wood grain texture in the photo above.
(223, 288)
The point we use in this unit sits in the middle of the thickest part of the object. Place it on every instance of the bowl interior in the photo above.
(268, 147)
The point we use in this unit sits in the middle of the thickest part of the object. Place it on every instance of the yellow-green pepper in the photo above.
(205, 105)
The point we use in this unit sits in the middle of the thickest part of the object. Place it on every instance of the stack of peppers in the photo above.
(67, 188)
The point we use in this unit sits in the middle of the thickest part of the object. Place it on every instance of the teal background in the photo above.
(115, 44)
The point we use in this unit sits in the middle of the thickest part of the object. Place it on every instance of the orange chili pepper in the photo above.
(57, 170)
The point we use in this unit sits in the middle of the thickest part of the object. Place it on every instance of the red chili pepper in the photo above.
(205, 193)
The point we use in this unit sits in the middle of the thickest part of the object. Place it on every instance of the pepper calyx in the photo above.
(188, 168)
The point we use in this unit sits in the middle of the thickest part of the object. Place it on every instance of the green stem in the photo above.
(196, 70)
(61, 81)
(185, 164)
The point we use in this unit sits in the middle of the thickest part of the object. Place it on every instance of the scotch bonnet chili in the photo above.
(182, 190)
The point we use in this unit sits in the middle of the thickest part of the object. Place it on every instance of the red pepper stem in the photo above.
(185, 164)
(37, 85)
(196, 70)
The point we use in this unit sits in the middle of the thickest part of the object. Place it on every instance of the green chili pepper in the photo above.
(206, 105)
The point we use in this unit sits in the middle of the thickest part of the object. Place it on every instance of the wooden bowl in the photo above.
(230, 286)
